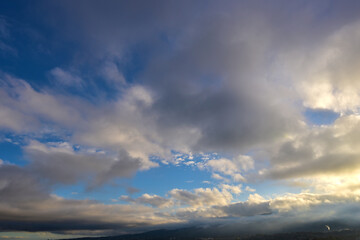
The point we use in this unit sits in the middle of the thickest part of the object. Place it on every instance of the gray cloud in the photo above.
(245, 209)
(66, 78)
(201, 197)
(223, 77)
(60, 164)
(19, 187)
(26, 204)
(153, 200)
(328, 150)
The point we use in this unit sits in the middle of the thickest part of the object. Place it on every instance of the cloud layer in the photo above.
(116, 89)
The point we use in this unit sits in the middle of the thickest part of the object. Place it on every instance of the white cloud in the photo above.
(231, 168)
(218, 177)
(326, 75)
(153, 200)
(319, 151)
(249, 189)
(235, 189)
(201, 197)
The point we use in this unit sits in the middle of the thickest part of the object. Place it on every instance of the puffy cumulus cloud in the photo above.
(202, 196)
(312, 206)
(332, 205)
(153, 200)
(254, 206)
(119, 125)
(23, 108)
(304, 201)
(232, 188)
(124, 123)
(291, 204)
(197, 199)
(326, 75)
(325, 150)
(230, 168)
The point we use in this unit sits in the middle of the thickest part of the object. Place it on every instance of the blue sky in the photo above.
(139, 115)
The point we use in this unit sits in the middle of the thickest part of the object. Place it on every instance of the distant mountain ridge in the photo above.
(198, 233)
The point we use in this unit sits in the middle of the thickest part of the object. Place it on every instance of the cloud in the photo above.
(153, 200)
(201, 196)
(247, 209)
(26, 204)
(231, 168)
(61, 164)
(325, 75)
(18, 187)
(231, 188)
(325, 150)
(112, 74)
(27, 109)
(249, 189)
(201, 102)
(223, 79)
(6, 36)
(66, 78)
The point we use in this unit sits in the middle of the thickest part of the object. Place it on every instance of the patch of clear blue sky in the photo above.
(320, 116)
(162, 179)
(11, 148)
(12, 153)
(37, 46)
(103, 194)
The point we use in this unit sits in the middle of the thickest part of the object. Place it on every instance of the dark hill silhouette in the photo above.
(197, 233)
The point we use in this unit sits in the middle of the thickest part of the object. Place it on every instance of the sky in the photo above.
(127, 116)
